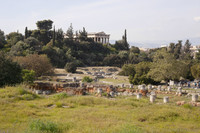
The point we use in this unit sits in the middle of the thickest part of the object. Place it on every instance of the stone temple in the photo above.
(100, 37)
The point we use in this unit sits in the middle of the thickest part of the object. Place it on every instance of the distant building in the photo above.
(100, 37)
(194, 50)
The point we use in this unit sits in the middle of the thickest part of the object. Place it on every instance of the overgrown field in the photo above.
(24, 112)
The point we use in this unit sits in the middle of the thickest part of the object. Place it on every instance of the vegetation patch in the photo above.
(39, 126)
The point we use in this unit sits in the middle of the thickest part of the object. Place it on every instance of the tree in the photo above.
(135, 50)
(166, 67)
(18, 49)
(71, 67)
(70, 32)
(26, 35)
(83, 35)
(87, 79)
(10, 72)
(124, 38)
(127, 69)
(43, 33)
(38, 63)
(122, 44)
(44, 24)
(187, 47)
(112, 60)
(171, 47)
(141, 74)
(2, 39)
(177, 50)
(195, 70)
(54, 36)
(14, 37)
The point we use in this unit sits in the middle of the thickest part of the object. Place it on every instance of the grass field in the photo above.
(24, 112)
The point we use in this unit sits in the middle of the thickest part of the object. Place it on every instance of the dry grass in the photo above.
(88, 114)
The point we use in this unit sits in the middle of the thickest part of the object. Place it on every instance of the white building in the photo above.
(100, 37)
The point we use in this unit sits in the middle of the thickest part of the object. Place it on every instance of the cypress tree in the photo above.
(26, 33)
(54, 36)
(126, 45)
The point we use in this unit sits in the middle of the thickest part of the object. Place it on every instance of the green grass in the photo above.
(24, 112)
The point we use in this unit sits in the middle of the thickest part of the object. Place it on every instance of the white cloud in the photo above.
(197, 19)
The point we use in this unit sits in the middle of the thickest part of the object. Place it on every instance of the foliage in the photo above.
(70, 32)
(44, 126)
(195, 70)
(2, 39)
(28, 76)
(71, 67)
(10, 72)
(166, 67)
(122, 44)
(87, 79)
(141, 77)
(44, 24)
(38, 63)
(14, 37)
(60, 96)
(127, 69)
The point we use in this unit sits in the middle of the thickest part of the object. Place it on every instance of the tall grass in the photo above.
(39, 126)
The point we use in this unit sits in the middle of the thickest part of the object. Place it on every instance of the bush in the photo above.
(28, 76)
(60, 96)
(87, 79)
(44, 127)
(28, 97)
(38, 63)
(59, 105)
(127, 69)
(10, 72)
(71, 67)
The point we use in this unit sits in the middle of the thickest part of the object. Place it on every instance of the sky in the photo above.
(146, 21)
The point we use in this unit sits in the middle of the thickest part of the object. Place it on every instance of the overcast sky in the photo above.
(145, 20)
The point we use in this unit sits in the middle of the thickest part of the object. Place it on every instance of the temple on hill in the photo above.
(100, 37)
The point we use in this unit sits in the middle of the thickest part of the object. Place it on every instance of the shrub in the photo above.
(44, 126)
(28, 76)
(10, 72)
(60, 96)
(71, 67)
(59, 105)
(38, 63)
(28, 97)
(87, 79)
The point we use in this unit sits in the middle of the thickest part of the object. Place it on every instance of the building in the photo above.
(194, 50)
(100, 37)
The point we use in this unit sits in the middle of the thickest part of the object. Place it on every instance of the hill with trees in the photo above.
(62, 49)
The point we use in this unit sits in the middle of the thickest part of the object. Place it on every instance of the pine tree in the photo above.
(187, 47)
(70, 32)
(83, 35)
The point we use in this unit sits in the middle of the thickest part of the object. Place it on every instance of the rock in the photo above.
(139, 96)
(149, 87)
(179, 103)
(166, 99)
(194, 97)
(38, 91)
(152, 98)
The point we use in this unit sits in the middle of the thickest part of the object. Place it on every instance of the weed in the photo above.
(60, 96)
(188, 106)
(44, 127)
(59, 105)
